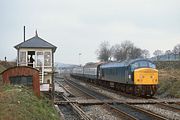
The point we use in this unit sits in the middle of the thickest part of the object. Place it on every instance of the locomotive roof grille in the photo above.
(123, 63)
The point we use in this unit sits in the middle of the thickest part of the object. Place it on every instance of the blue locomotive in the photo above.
(138, 76)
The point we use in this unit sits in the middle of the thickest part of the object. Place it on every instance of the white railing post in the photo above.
(43, 71)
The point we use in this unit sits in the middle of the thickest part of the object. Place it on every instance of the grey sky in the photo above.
(79, 26)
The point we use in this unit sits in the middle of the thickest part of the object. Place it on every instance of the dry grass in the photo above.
(19, 103)
(169, 78)
(169, 83)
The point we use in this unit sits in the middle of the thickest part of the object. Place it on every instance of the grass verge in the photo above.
(169, 83)
(19, 103)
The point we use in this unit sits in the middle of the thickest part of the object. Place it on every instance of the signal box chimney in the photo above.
(24, 34)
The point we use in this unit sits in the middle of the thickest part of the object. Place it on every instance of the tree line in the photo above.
(175, 51)
(127, 50)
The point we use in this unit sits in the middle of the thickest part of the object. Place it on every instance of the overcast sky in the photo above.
(79, 26)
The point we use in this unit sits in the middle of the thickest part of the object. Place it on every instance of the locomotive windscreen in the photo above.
(142, 64)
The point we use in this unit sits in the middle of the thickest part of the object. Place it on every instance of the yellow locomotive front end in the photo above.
(146, 76)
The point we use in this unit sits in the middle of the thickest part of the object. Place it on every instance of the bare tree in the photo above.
(135, 53)
(157, 53)
(145, 53)
(168, 52)
(104, 52)
(126, 50)
(176, 50)
(117, 52)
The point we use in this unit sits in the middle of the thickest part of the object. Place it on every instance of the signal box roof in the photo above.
(36, 42)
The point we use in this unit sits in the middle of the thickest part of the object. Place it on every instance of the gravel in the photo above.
(166, 113)
(97, 112)
(102, 91)
(68, 113)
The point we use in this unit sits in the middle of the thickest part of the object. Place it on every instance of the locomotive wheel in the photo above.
(153, 90)
(137, 91)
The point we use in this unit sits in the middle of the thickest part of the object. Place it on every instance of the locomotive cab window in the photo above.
(134, 66)
(151, 65)
(141, 64)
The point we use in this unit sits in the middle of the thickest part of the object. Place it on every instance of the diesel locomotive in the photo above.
(138, 77)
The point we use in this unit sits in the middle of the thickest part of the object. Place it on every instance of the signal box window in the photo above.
(40, 58)
(47, 58)
(22, 56)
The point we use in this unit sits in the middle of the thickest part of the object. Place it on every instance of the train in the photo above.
(137, 76)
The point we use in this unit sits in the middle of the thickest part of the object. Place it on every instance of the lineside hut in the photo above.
(39, 54)
(23, 75)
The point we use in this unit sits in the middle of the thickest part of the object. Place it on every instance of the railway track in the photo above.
(122, 114)
(168, 107)
(131, 111)
(136, 104)
(81, 114)
(162, 104)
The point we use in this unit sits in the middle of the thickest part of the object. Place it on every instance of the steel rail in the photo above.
(74, 105)
(124, 114)
(146, 113)
(80, 112)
